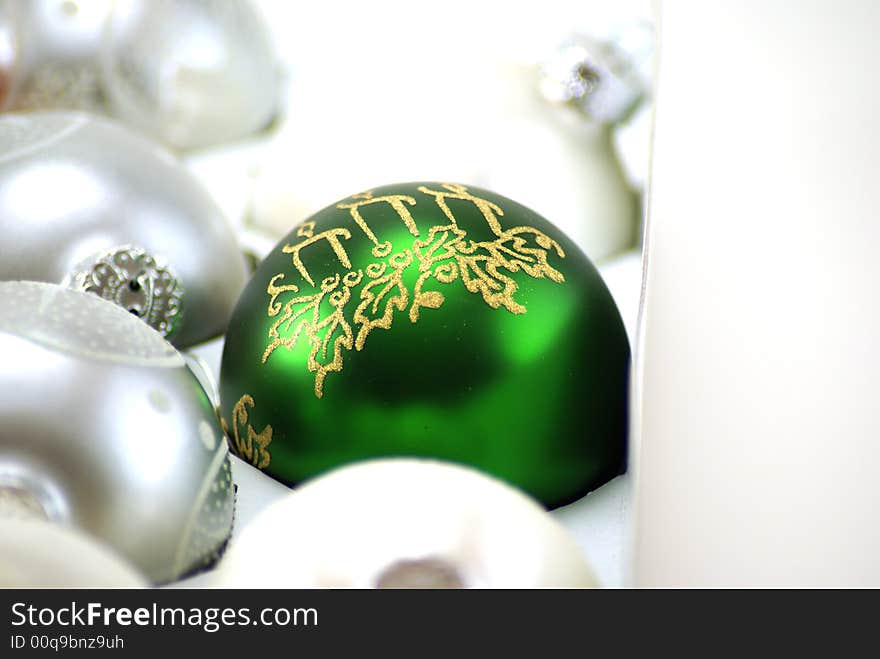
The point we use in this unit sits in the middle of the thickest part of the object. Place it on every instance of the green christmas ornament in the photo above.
(433, 320)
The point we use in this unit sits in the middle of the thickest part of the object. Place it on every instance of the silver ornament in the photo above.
(77, 193)
(190, 72)
(52, 58)
(593, 76)
(103, 427)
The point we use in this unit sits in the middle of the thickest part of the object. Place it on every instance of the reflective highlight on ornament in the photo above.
(135, 280)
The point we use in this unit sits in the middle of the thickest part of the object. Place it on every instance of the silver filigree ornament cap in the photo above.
(594, 77)
(141, 283)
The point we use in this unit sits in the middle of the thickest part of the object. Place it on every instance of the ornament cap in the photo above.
(136, 280)
(594, 77)
(421, 573)
(19, 502)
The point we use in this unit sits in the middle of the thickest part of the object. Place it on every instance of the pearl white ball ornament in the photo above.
(191, 73)
(404, 523)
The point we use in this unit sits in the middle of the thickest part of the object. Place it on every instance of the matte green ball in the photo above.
(435, 320)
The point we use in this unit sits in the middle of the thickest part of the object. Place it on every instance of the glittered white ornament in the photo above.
(190, 72)
(40, 554)
(103, 427)
(404, 523)
(86, 201)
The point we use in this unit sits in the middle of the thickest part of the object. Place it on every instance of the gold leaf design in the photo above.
(254, 446)
(388, 288)
(444, 255)
(332, 332)
(397, 202)
(327, 336)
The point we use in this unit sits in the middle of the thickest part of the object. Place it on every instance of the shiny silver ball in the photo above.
(80, 195)
(191, 73)
(104, 428)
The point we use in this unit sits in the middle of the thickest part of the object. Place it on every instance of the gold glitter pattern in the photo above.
(444, 255)
(254, 446)
(398, 203)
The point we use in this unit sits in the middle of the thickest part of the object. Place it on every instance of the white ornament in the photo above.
(191, 73)
(404, 523)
